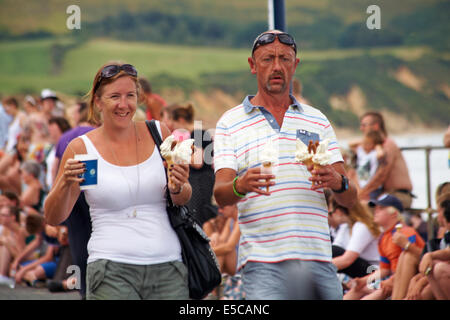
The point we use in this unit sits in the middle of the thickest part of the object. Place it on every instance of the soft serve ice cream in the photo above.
(176, 152)
(268, 157)
(315, 153)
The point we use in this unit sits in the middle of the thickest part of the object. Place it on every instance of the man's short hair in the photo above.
(14, 211)
(378, 118)
(11, 101)
(32, 167)
(12, 197)
(34, 223)
(145, 85)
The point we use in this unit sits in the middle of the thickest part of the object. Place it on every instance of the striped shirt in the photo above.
(291, 223)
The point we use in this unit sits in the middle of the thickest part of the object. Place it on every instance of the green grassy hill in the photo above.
(196, 46)
(329, 76)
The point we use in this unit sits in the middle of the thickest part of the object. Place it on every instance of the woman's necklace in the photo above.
(134, 213)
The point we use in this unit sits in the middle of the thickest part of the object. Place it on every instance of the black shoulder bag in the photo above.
(200, 260)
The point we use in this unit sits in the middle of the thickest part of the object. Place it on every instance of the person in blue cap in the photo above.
(397, 243)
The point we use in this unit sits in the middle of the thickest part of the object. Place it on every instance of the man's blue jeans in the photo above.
(291, 280)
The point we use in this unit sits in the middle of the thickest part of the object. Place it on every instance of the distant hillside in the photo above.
(233, 23)
(412, 83)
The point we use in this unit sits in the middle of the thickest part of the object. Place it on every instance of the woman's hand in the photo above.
(72, 169)
(179, 175)
(426, 264)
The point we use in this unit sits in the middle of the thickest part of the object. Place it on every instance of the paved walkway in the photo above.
(26, 293)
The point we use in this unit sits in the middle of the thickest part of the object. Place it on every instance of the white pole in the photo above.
(271, 18)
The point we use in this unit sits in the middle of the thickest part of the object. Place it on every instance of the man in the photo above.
(79, 222)
(419, 286)
(436, 265)
(153, 102)
(395, 245)
(50, 105)
(17, 124)
(392, 174)
(285, 239)
(5, 120)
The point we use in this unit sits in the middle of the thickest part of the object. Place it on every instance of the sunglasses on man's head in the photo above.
(113, 69)
(269, 37)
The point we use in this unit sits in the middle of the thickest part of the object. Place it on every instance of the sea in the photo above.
(416, 162)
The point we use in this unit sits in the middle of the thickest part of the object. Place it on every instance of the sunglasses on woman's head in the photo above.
(113, 69)
(269, 37)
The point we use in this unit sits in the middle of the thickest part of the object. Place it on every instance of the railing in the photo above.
(429, 210)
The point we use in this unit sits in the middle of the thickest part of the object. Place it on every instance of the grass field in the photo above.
(27, 66)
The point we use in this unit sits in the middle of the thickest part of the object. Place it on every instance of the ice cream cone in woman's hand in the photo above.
(167, 152)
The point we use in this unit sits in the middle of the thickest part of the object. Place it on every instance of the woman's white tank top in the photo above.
(117, 233)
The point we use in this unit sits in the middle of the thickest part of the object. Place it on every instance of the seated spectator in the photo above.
(10, 165)
(19, 119)
(167, 117)
(33, 194)
(419, 287)
(419, 225)
(368, 155)
(61, 281)
(436, 267)
(12, 239)
(355, 258)
(30, 105)
(153, 103)
(56, 127)
(225, 242)
(32, 272)
(393, 243)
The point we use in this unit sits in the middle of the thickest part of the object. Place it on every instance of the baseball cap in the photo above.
(48, 94)
(387, 200)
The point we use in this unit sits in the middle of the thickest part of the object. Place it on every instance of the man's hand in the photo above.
(253, 181)
(399, 239)
(325, 177)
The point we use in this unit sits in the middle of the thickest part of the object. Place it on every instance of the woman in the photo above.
(361, 250)
(133, 251)
(201, 175)
(12, 239)
(10, 164)
(33, 193)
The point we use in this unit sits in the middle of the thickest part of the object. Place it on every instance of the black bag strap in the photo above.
(151, 125)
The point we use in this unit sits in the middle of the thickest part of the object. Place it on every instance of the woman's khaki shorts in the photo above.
(112, 280)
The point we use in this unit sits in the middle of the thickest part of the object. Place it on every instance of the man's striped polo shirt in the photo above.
(291, 223)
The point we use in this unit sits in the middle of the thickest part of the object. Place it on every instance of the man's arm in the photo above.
(251, 181)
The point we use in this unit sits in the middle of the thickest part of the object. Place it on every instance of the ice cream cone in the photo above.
(169, 161)
(267, 169)
(316, 167)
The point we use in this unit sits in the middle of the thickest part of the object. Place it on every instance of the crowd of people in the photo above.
(341, 231)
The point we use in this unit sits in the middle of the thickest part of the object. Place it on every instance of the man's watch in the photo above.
(344, 185)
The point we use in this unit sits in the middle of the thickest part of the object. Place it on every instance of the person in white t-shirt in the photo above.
(368, 155)
(360, 252)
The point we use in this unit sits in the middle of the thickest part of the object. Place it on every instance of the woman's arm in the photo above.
(181, 192)
(230, 244)
(30, 196)
(345, 260)
(65, 191)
